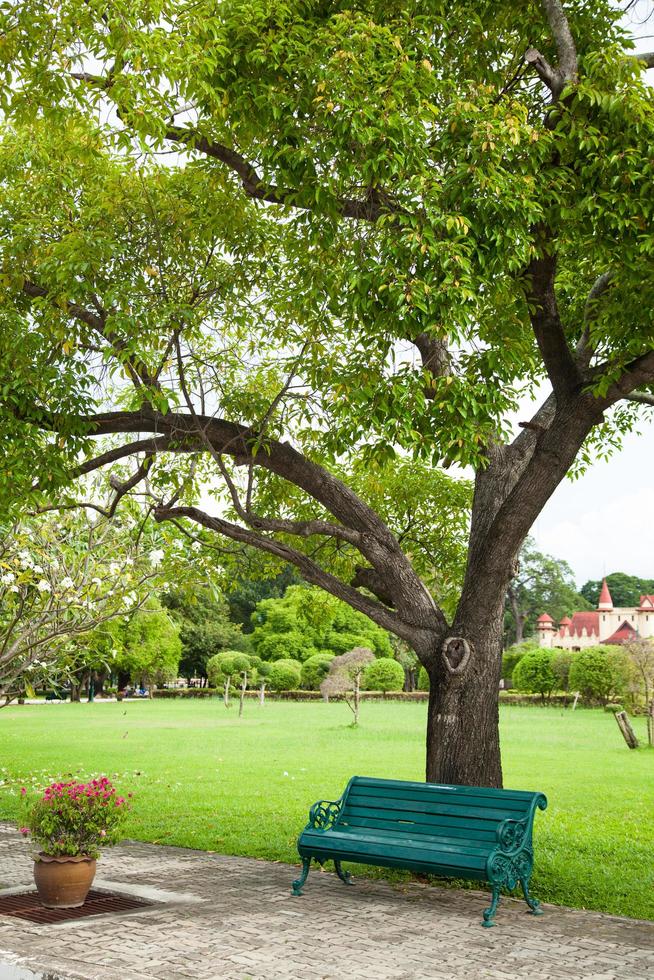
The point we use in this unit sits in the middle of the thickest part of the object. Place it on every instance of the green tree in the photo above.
(625, 590)
(561, 664)
(541, 584)
(306, 621)
(534, 673)
(244, 594)
(600, 673)
(383, 675)
(447, 225)
(227, 668)
(204, 628)
(284, 675)
(346, 675)
(315, 669)
(513, 655)
(151, 646)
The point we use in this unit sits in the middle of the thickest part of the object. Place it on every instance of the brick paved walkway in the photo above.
(234, 918)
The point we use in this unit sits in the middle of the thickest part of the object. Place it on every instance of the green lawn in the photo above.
(203, 778)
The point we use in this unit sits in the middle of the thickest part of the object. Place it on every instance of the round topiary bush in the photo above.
(423, 680)
(284, 675)
(561, 664)
(227, 664)
(600, 674)
(384, 674)
(534, 674)
(315, 669)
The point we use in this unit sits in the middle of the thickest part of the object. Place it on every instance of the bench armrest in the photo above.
(511, 834)
(324, 814)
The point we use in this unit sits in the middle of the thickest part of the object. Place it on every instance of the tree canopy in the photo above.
(307, 256)
(625, 590)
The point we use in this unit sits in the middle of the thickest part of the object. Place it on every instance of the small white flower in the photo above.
(196, 546)
(43, 586)
(37, 569)
(67, 582)
(14, 588)
(96, 580)
(156, 557)
(7, 578)
(114, 568)
(128, 561)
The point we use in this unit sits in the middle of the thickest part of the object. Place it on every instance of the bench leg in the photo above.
(345, 876)
(489, 913)
(533, 903)
(299, 882)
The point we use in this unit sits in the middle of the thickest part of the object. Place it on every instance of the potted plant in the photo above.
(69, 824)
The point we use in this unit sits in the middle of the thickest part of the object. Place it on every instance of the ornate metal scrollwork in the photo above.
(512, 834)
(324, 814)
(509, 869)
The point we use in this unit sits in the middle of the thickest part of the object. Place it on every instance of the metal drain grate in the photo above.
(27, 906)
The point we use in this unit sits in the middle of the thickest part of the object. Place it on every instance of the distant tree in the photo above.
(204, 628)
(625, 590)
(534, 673)
(641, 656)
(284, 675)
(315, 669)
(541, 584)
(600, 673)
(561, 664)
(345, 677)
(514, 654)
(227, 668)
(307, 621)
(423, 680)
(151, 645)
(245, 594)
(383, 675)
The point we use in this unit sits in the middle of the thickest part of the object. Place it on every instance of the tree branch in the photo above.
(565, 45)
(139, 372)
(310, 570)
(546, 322)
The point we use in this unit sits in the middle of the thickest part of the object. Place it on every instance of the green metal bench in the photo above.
(451, 831)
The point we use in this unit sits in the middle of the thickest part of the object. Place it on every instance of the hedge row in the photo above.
(209, 692)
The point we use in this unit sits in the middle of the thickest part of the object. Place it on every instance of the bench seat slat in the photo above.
(436, 797)
(363, 848)
(422, 841)
(377, 804)
(401, 821)
(451, 831)
(401, 787)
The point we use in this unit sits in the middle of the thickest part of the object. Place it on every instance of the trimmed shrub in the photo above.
(423, 680)
(561, 664)
(383, 675)
(284, 675)
(600, 674)
(512, 657)
(315, 669)
(534, 673)
(227, 664)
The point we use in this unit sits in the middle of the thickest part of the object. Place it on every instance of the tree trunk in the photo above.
(463, 745)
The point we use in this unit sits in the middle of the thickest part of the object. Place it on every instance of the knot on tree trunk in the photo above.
(456, 653)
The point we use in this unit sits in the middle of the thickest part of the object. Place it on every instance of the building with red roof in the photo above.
(606, 624)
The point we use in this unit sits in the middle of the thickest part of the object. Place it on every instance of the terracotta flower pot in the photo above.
(63, 882)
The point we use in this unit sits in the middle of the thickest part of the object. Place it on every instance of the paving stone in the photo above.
(244, 925)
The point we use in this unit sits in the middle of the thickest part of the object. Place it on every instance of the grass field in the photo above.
(202, 777)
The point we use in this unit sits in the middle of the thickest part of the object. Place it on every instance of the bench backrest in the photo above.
(465, 812)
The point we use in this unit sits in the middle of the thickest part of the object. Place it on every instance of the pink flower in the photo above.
(24, 830)
(23, 791)
(103, 833)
